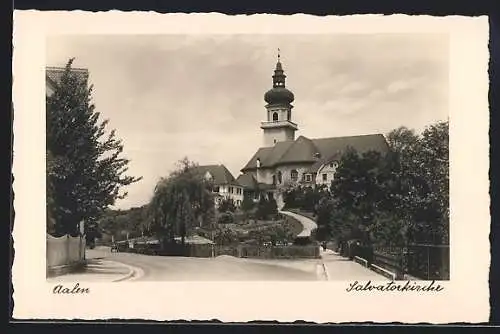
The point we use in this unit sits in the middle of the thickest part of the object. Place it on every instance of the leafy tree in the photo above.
(85, 171)
(261, 208)
(422, 192)
(271, 207)
(266, 208)
(280, 233)
(180, 201)
(225, 237)
(247, 205)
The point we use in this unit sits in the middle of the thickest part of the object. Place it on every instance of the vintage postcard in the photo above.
(240, 168)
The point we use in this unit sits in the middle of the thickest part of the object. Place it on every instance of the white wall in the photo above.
(236, 195)
(286, 172)
(65, 250)
(330, 174)
(278, 134)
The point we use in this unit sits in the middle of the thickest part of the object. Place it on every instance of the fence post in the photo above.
(428, 262)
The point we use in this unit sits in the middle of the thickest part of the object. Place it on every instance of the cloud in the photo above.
(171, 96)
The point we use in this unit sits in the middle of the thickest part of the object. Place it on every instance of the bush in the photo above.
(226, 218)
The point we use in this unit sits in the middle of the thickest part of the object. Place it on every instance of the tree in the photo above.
(180, 201)
(247, 205)
(261, 208)
(225, 237)
(266, 208)
(271, 207)
(421, 168)
(86, 170)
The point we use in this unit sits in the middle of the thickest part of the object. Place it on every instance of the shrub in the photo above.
(226, 218)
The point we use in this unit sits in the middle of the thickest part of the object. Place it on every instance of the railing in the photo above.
(428, 262)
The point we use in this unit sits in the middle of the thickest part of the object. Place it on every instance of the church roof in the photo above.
(219, 173)
(314, 151)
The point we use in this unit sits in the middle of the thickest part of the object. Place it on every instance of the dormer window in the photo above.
(258, 163)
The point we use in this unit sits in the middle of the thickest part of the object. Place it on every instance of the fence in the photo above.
(429, 262)
(64, 252)
(209, 250)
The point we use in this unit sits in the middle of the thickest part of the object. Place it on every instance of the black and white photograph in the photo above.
(246, 157)
(265, 157)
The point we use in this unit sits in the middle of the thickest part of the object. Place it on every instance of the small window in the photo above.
(294, 175)
(230, 190)
(280, 177)
(308, 177)
(324, 177)
(331, 165)
(216, 189)
(275, 141)
(275, 117)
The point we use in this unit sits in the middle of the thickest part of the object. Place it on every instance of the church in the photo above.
(283, 159)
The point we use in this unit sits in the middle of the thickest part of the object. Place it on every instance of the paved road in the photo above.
(227, 268)
(308, 225)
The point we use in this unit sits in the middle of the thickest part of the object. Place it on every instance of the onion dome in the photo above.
(279, 94)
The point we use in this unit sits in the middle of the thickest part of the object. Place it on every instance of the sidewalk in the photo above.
(340, 268)
(97, 270)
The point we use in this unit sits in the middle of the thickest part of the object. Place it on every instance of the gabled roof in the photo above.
(314, 151)
(247, 181)
(220, 174)
(53, 74)
(302, 150)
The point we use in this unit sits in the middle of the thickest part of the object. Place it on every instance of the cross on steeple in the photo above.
(278, 54)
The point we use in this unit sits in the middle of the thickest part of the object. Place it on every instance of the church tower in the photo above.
(278, 126)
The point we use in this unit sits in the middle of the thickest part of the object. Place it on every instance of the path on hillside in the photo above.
(308, 225)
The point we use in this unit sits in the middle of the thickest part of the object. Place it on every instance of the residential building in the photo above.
(224, 185)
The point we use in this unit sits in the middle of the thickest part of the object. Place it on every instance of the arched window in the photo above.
(294, 175)
(275, 117)
(289, 114)
(280, 177)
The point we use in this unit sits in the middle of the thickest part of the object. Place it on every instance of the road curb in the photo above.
(133, 272)
(325, 270)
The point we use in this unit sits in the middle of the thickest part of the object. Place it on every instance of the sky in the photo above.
(202, 96)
